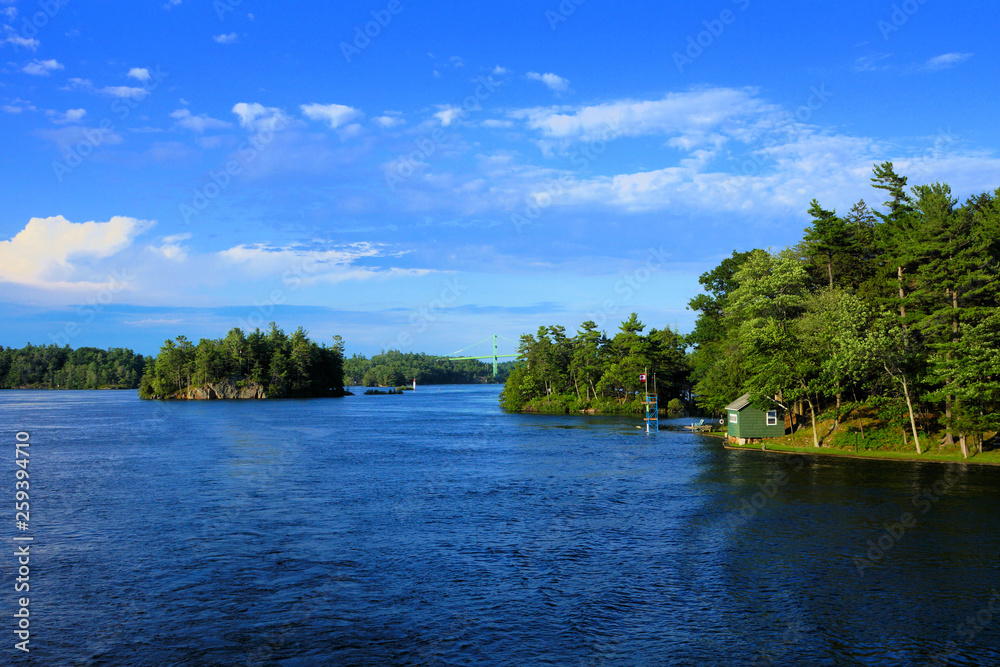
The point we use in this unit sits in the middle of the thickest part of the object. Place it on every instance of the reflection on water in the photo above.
(431, 528)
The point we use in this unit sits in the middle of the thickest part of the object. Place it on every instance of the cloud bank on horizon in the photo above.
(338, 168)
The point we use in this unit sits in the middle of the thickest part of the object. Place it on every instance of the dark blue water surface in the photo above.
(431, 528)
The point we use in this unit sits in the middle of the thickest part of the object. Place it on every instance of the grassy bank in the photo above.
(846, 441)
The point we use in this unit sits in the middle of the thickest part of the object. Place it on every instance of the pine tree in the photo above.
(586, 363)
(862, 267)
(894, 236)
(828, 239)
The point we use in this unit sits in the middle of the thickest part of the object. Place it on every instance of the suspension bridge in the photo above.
(496, 357)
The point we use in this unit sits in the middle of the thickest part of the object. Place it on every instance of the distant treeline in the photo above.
(395, 368)
(891, 312)
(54, 367)
(557, 373)
(285, 366)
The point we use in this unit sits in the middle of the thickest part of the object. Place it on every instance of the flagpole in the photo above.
(645, 376)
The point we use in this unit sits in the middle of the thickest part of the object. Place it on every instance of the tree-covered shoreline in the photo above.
(891, 312)
(258, 364)
(886, 320)
(394, 368)
(239, 358)
(55, 367)
(590, 372)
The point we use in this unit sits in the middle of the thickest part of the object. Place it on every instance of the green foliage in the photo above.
(519, 388)
(717, 363)
(284, 366)
(897, 309)
(557, 373)
(395, 368)
(829, 241)
(54, 367)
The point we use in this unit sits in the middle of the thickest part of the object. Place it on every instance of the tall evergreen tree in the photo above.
(895, 234)
(863, 268)
(829, 240)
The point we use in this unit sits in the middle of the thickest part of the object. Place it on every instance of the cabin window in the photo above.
(772, 417)
(732, 417)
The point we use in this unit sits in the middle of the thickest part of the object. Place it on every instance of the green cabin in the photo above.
(747, 422)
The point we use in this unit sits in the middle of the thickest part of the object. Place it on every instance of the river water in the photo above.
(431, 528)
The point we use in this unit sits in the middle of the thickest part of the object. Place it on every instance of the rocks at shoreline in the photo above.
(227, 389)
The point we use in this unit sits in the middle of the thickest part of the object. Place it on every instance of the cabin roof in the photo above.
(739, 403)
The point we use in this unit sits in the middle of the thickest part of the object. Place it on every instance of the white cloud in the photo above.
(734, 153)
(311, 266)
(500, 71)
(389, 120)
(553, 81)
(122, 92)
(946, 60)
(76, 83)
(170, 247)
(314, 265)
(17, 105)
(139, 74)
(784, 177)
(228, 38)
(171, 3)
(269, 259)
(46, 253)
(449, 114)
(199, 123)
(873, 63)
(257, 117)
(778, 180)
(42, 67)
(697, 115)
(334, 114)
(71, 116)
(25, 42)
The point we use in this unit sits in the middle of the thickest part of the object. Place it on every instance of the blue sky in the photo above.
(462, 169)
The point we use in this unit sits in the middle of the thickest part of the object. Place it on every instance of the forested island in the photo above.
(55, 367)
(246, 365)
(880, 319)
(395, 368)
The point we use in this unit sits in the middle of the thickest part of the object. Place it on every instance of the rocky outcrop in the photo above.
(236, 388)
(227, 389)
